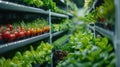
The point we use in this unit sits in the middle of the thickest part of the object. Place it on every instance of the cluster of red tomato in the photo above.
(9, 34)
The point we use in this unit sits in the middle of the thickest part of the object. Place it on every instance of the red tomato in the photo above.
(7, 29)
(32, 31)
(12, 37)
(46, 29)
(6, 35)
(1, 36)
(16, 34)
(40, 31)
(28, 33)
(24, 32)
(21, 34)
(10, 26)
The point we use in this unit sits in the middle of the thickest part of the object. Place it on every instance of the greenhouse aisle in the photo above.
(59, 33)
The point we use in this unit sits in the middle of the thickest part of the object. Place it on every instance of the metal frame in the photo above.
(50, 38)
(17, 7)
(50, 24)
(13, 45)
(59, 15)
(22, 8)
(117, 33)
(107, 33)
(57, 33)
(92, 28)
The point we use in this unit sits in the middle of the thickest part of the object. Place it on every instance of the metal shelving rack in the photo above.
(4, 5)
(107, 33)
(113, 36)
(22, 8)
(117, 33)
(90, 27)
(17, 7)
(13, 45)
(59, 15)
(57, 33)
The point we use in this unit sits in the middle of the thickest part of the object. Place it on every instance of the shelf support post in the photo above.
(117, 32)
(50, 33)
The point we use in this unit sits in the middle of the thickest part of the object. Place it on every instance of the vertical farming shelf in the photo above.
(4, 5)
(113, 36)
(9, 6)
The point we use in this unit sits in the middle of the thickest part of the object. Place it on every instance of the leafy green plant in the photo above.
(45, 4)
(103, 13)
(49, 4)
(59, 27)
(58, 43)
(63, 25)
(29, 57)
(88, 4)
(107, 11)
(37, 3)
(86, 51)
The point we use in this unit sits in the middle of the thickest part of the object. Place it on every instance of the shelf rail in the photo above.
(104, 32)
(13, 45)
(22, 8)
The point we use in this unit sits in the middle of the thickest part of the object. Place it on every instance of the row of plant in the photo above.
(60, 41)
(60, 27)
(86, 51)
(59, 55)
(30, 57)
(103, 15)
(63, 25)
(106, 15)
(22, 30)
(44, 4)
(48, 4)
